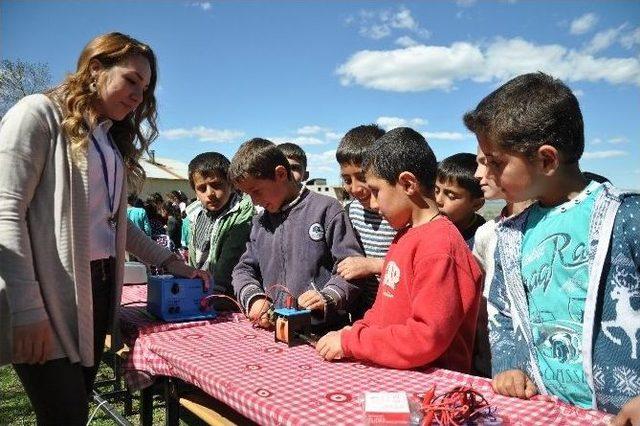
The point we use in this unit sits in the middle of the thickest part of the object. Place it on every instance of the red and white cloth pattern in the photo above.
(273, 384)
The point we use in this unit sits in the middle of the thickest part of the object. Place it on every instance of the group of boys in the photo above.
(550, 299)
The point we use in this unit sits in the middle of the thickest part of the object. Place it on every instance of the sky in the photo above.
(307, 72)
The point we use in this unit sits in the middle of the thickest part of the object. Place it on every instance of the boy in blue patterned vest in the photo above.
(566, 289)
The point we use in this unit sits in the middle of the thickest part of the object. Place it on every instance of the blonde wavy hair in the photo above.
(136, 131)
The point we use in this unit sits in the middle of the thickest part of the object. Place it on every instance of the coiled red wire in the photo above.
(455, 407)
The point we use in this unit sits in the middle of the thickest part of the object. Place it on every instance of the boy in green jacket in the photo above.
(219, 221)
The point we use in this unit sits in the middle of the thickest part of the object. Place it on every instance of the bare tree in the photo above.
(19, 79)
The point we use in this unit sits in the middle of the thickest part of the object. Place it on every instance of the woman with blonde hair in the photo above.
(67, 159)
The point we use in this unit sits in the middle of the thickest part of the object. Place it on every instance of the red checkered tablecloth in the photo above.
(273, 384)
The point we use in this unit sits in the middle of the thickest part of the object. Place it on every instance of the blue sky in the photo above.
(307, 72)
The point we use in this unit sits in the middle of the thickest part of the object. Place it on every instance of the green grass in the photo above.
(15, 408)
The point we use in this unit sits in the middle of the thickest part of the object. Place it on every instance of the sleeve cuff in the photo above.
(30, 316)
(333, 297)
(500, 366)
(248, 293)
(344, 339)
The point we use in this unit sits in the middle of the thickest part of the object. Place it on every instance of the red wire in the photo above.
(221, 296)
(264, 301)
(458, 406)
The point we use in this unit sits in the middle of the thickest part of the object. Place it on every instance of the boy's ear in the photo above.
(409, 183)
(478, 203)
(549, 159)
(281, 173)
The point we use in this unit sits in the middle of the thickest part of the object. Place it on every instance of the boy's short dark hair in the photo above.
(356, 142)
(208, 164)
(293, 151)
(529, 111)
(257, 158)
(461, 168)
(133, 200)
(590, 176)
(399, 150)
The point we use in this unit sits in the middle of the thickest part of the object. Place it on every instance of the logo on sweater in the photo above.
(316, 232)
(391, 275)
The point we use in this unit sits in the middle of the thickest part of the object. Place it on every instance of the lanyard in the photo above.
(105, 173)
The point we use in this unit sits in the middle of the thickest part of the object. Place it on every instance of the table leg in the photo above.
(146, 406)
(172, 404)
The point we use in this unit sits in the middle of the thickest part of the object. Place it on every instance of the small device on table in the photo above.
(175, 299)
(293, 326)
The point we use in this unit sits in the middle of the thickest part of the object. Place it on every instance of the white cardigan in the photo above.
(44, 233)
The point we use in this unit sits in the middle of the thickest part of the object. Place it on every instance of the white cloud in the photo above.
(298, 140)
(204, 5)
(413, 68)
(406, 41)
(583, 24)
(596, 141)
(311, 130)
(310, 135)
(203, 134)
(618, 140)
(403, 19)
(430, 67)
(603, 40)
(380, 24)
(375, 32)
(445, 136)
(389, 123)
(323, 164)
(630, 39)
(333, 136)
(595, 155)
(465, 3)
(578, 93)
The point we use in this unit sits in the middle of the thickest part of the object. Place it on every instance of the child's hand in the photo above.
(359, 267)
(257, 312)
(514, 383)
(629, 414)
(312, 300)
(329, 346)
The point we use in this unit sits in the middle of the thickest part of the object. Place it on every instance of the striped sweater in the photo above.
(375, 235)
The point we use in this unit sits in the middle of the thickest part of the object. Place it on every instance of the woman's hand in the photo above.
(176, 266)
(32, 343)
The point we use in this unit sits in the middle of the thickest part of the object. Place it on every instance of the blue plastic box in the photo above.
(177, 299)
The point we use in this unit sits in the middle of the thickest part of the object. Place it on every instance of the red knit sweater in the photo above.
(427, 303)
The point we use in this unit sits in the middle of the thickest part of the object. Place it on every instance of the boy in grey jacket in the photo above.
(295, 244)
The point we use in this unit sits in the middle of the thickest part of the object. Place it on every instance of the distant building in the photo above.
(165, 175)
(320, 186)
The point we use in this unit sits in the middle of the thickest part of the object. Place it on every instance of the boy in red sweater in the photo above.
(427, 303)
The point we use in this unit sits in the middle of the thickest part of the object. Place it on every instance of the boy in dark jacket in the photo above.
(295, 243)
